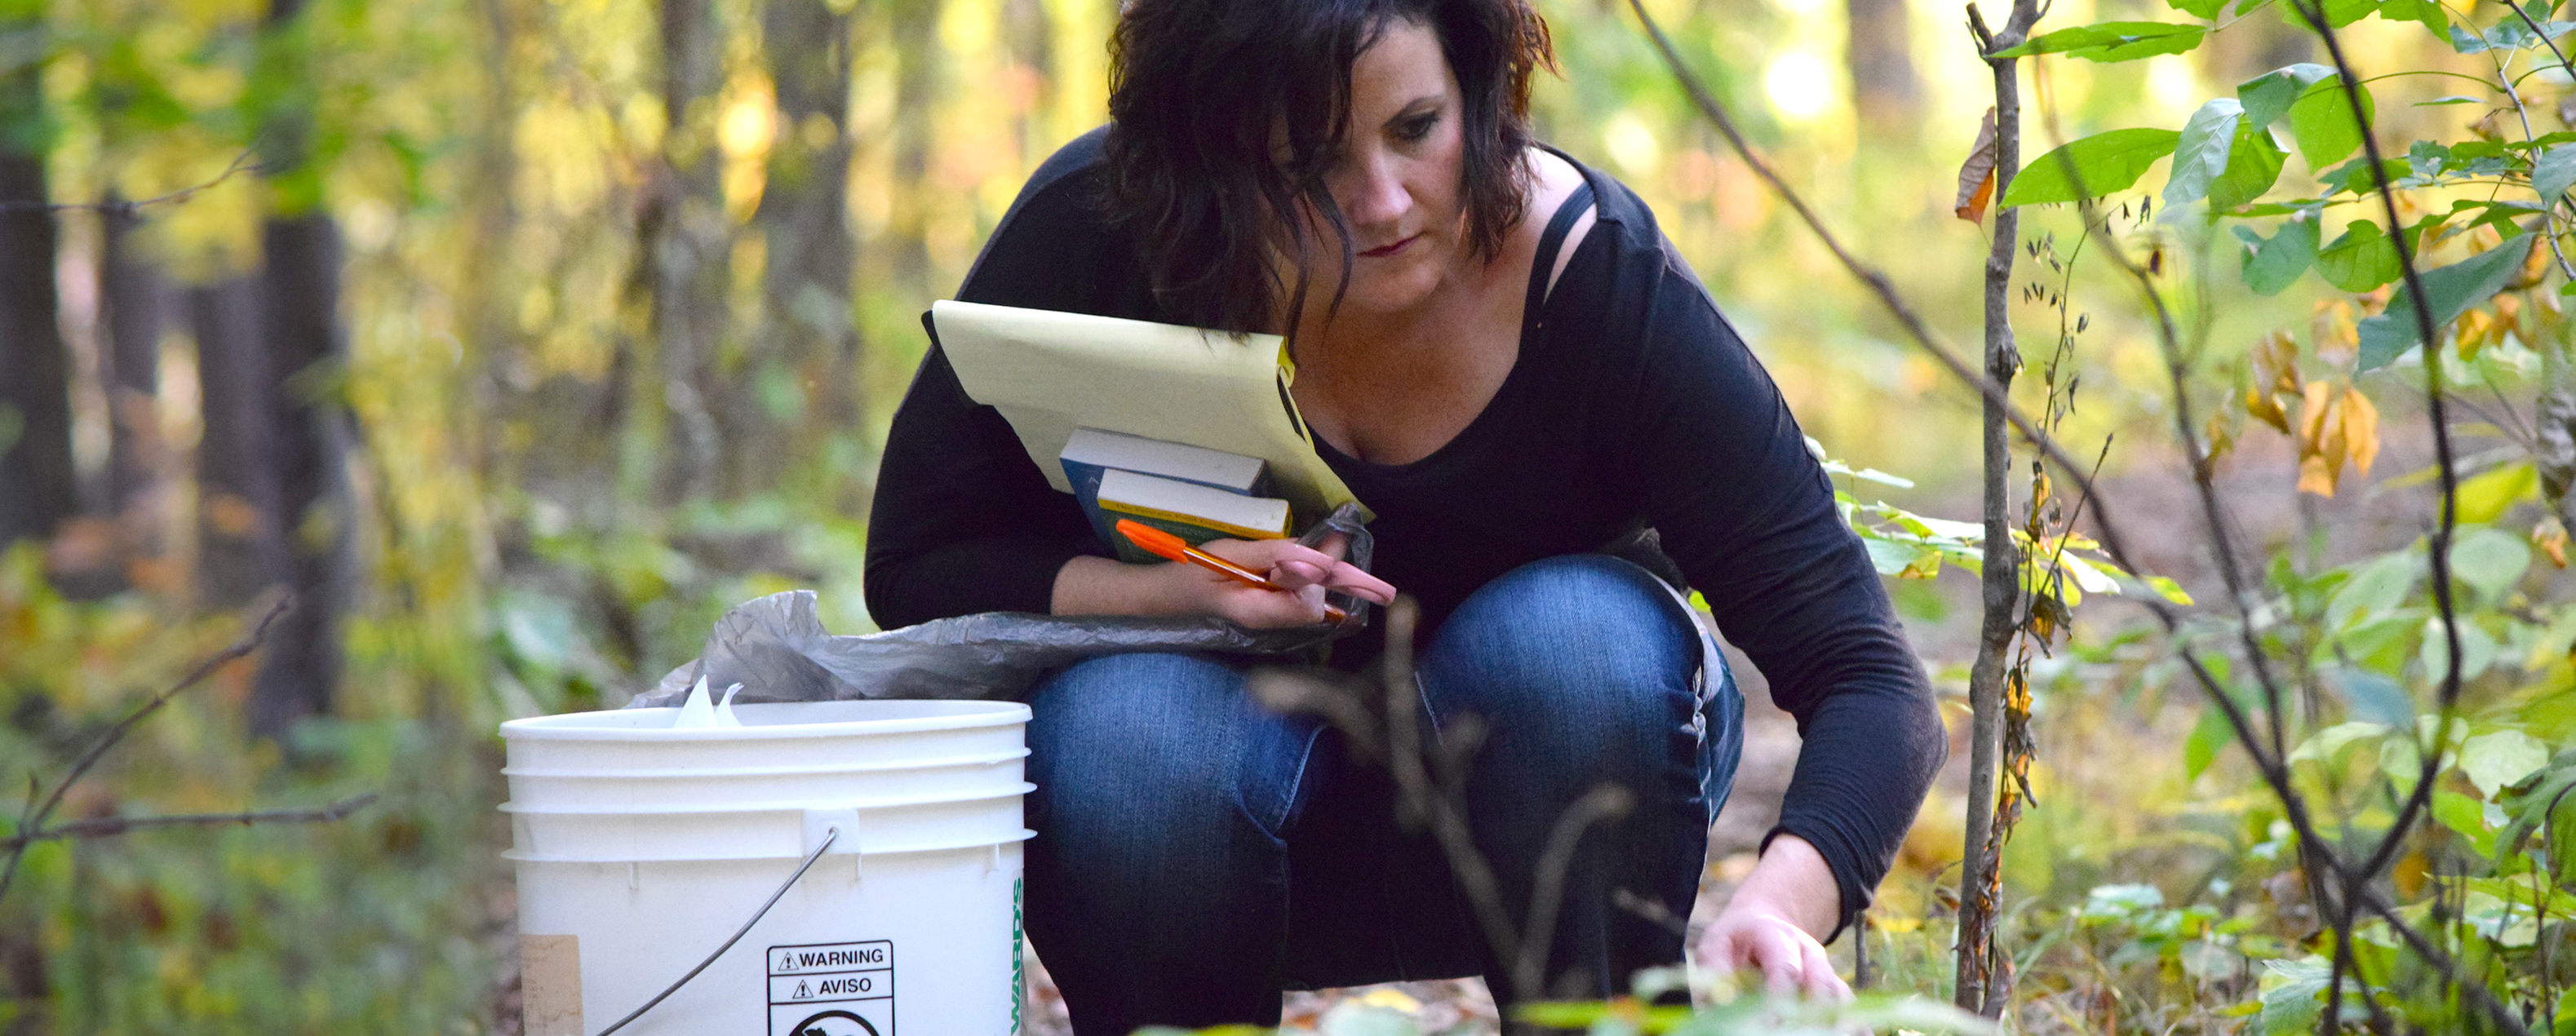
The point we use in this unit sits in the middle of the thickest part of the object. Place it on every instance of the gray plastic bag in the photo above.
(777, 649)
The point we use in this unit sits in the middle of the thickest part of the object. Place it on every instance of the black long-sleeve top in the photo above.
(1633, 404)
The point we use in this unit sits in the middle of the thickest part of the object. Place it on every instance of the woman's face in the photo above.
(1397, 178)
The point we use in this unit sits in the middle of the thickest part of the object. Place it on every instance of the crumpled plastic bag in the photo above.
(776, 646)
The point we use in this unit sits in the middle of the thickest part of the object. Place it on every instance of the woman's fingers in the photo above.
(1783, 967)
(1791, 964)
(1818, 972)
(1294, 566)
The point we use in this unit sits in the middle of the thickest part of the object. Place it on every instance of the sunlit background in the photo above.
(619, 346)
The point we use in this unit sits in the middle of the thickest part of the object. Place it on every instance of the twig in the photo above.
(241, 164)
(1916, 329)
(106, 827)
(2001, 572)
(1547, 885)
(2439, 550)
(32, 822)
(1448, 823)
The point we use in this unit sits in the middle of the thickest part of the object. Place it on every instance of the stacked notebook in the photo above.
(1192, 492)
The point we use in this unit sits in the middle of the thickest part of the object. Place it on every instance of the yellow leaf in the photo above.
(2551, 537)
(2315, 477)
(2333, 332)
(2275, 362)
(2470, 333)
(2360, 430)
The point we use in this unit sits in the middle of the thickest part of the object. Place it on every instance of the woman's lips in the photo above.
(1383, 251)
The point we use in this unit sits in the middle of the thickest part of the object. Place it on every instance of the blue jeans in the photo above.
(1197, 854)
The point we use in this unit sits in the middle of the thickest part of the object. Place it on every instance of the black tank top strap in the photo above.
(1549, 242)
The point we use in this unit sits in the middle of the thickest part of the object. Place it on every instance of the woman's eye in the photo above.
(1417, 127)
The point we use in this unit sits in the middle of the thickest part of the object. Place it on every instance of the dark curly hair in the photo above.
(1198, 90)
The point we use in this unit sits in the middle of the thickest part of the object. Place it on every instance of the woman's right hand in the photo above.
(1103, 586)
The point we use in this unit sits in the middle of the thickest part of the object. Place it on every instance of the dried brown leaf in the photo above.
(1977, 174)
(2275, 362)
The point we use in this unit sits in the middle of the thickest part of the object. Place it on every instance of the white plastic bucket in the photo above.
(640, 848)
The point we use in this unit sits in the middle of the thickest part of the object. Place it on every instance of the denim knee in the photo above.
(1586, 654)
(1130, 745)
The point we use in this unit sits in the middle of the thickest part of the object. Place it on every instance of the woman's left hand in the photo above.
(1770, 923)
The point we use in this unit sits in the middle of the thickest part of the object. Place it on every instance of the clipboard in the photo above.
(1050, 373)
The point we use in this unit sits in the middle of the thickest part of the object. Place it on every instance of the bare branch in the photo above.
(2444, 456)
(108, 827)
(241, 164)
(33, 820)
(1916, 329)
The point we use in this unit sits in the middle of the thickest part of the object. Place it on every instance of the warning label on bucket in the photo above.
(832, 989)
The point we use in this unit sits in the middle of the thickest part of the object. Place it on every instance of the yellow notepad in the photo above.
(1050, 373)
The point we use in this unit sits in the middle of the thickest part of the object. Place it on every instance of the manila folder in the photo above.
(1050, 373)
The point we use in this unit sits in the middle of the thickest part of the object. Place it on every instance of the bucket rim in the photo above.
(563, 726)
(780, 806)
(515, 856)
(986, 759)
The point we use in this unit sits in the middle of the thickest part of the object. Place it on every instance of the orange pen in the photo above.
(1165, 545)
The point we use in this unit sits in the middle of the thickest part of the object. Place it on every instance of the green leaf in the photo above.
(2198, 8)
(2477, 650)
(2451, 289)
(2321, 123)
(2340, 13)
(2213, 733)
(2112, 41)
(2452, 99)
(2467, 816)
(2492, 761)
(2561, 839)
(2427, 12)
(2491, 561)
(2201, 155)
(2554, 172)
(2101, 163)
(2253, 165)
(2267, 97)
(2375, 589)
(2276, 263)
(2354, 177)
(2360, 259)
(2294, 996)
(2169, 590)
(2486, 496)
(2377, 698)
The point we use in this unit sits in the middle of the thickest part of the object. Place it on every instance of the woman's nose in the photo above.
(1376, 192)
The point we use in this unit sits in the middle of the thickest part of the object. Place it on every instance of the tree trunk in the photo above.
(299, 295)
(301, 667)
(237, 548)
(686, 253)
(1884, 91)
(38, 487)
(131, 298)
(807, 334)
(920, 70)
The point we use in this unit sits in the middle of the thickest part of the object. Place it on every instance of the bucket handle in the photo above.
(830, 835)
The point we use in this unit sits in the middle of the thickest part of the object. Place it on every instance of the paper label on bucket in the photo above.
(832, 989)
(550, 985)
